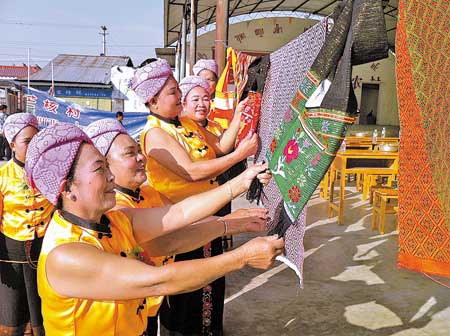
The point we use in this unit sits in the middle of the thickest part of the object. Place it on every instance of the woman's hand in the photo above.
(264, 177)
(246, 220)
(242, 182)
(261, 252)
(248, 146)
(240, 107)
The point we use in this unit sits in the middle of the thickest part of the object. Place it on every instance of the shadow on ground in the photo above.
(352, 285)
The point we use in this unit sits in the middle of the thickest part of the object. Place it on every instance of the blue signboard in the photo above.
(79, 92)
(50, 110)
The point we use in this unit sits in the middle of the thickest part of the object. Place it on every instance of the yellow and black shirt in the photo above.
(25, 213)
(72, 316)
(191, 137)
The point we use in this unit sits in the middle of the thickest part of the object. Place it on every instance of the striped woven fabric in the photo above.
(422, 69)
(230, 86)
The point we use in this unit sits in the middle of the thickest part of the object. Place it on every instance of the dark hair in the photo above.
(69, 178)
(3, 107)
(119, 114)
(148, 61)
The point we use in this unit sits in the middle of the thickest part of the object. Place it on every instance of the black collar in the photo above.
(176, 122)
(102, 228)
(19, 163)
(135, 195)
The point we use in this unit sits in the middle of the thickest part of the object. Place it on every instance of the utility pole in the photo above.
(221, 33)
(183, 43)
(104, 33)
(193, 42)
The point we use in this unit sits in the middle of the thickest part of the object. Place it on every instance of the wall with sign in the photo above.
(256, 36)
(98, 99)
(94, 103)
(263, 36)
(381, 72)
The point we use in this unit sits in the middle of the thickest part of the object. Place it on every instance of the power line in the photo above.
(47, 24)
(32, 43)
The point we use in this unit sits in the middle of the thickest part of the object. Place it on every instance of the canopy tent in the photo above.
(206, 13)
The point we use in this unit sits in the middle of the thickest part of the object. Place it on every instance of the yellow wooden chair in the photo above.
(381, 207)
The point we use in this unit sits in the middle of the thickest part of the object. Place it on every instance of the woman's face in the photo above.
(93, 183)
(20, 142)
(211, 78)
(167, 103)
(127, 163)
(196, 104)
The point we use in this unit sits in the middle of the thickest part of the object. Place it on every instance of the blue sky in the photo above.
(52, 27)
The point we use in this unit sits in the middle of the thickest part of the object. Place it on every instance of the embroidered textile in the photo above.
(250, 115)
(307, 140)
(424, 196)
(288, 66)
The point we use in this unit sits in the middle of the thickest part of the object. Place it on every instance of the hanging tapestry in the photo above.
(322, 127)
(288, 66)
(250, 115)
(306, 142)
(230, 86)
(253, 90)
(422, 72)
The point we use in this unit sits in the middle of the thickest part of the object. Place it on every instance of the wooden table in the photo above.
(344, 163)
(356, 143)
(365, 142)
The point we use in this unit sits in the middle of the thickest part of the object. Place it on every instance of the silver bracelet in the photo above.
(225, 225)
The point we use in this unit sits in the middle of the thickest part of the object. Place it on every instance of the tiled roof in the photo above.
(13, 71)
(81, 68)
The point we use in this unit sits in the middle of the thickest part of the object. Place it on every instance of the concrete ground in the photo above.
(352, 285)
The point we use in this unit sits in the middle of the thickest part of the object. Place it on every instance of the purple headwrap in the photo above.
(50, 156)
(149, 79)
(190, 82)
(17, 122)
(103, 132)
(208, 64)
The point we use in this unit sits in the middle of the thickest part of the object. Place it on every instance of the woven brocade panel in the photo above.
(423, 65)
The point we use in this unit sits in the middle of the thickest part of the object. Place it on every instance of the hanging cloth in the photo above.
(424, 176)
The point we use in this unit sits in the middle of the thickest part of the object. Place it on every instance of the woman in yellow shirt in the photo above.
(24, 218)
(127, 163)
(91, 277)
(181, 163)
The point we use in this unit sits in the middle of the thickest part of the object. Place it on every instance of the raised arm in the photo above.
(225, 144)
(192, 209)
(80, 270)
(168, 152)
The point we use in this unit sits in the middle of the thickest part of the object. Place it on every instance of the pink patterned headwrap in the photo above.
(50, 156)
(208, 64)
(150, 79)
(103, 132)
(17, 122)
(190, 82)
